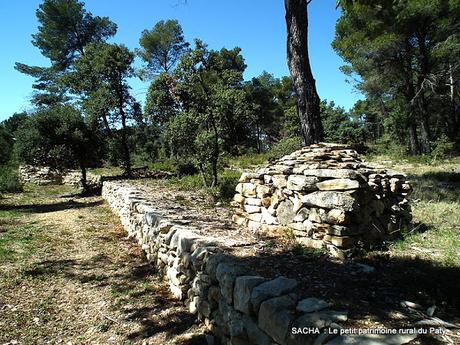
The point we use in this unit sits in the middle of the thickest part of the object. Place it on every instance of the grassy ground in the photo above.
(68, 275)
(436, 211)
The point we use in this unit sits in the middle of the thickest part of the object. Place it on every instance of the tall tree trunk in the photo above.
(83, 180)
(299, 65)
(124, 144)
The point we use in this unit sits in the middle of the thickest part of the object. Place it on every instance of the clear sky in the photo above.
(257, 26)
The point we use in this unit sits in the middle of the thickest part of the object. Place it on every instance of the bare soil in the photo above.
(78, 280)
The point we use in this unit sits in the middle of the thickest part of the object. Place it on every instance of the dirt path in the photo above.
(68, 276)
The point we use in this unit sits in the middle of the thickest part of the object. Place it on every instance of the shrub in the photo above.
(386, 145)
(442, 147)
(227, 184)
(285, 147)
(9, 180)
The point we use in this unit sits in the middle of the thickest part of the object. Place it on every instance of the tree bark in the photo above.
(299, 65)
(83, 181)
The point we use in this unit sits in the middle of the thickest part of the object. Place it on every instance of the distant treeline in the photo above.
(402, 55)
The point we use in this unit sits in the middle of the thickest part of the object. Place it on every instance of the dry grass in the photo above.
(68, 275)
(436, 210)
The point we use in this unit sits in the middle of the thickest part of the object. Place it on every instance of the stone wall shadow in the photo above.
(45, 208)
(436, 186)
(376, 294)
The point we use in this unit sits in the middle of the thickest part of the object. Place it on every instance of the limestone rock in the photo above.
(302, 183)
(340, 241)
(279, 181)
(330, 199)
(247, 176)
(248, 189)
(338, 184)
(336, 216)
(309, 305)
(332, 173)
(267, 218)
(255, 335)
(275, 317)
(285, 212)
(301, 215)
(251, 209)
(263, 191)
(253, 201)
(320, 319)
(238, 198)
(242, 292)
(226, 274)
(272, 288)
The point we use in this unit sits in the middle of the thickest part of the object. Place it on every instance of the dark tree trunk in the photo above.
(83, 181)
(299, 65)
(124, 144)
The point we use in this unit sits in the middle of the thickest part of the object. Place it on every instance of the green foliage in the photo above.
(65, 28)
(442, 147)
(57, 137)
(161, 103)
(386, 145)
(6, 145)
(8, 130)
(403, 56)
(9, 179)
(339, 125)
(213, 103)
(102, 76)
(162, 46)
(284, 147)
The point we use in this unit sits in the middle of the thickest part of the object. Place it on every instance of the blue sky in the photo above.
(257, 26)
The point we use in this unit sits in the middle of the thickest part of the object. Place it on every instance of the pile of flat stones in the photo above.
(48, 176)
(325, 196)
(39, 175)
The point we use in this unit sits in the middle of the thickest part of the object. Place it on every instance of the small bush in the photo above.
(284, 147)
(442, 148)
(386, 145)
(248, 161)
(227, 184)
(185, 168)
(9, 180)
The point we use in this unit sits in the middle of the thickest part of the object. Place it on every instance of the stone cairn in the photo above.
(325, 196)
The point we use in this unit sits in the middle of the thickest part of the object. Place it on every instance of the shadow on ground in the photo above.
(436, 186)
(375, 295)
(160, 313)
(45, 208)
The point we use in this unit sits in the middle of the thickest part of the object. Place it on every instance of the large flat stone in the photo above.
(331, 173)
(338, 184)
(275, 316)
(302, 183)
(320, 319)
(226, 273)
(309, 305)
(273, 288)
(330, 199)
(242, 292)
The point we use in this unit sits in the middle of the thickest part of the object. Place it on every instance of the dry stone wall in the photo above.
(39, 175)
(326, 197)
(48, 176)
(237, 306)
